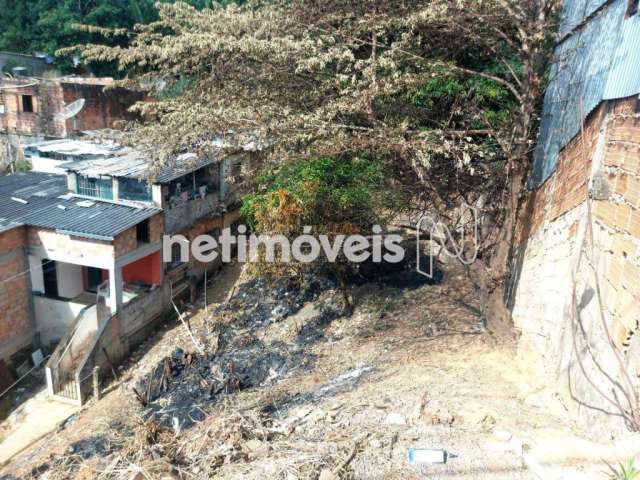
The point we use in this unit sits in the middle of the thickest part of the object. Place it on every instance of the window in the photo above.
(142, 232)
(133, 189)
(95, 187)
(27, 103)
(50, 278)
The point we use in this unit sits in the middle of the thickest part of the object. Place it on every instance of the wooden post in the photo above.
(206, 310)
(96, 382)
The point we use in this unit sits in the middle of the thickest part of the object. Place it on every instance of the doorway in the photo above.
(94, 279)
(50, 278)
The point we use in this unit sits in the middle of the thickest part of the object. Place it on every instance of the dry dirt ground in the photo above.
(411, 368)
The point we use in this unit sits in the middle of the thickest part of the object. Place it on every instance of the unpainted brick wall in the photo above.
(15, 313)
(127, 241)
(617, 222)
(102, 109)
(576, 288)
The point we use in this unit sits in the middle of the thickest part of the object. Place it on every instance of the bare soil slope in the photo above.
(288, 387)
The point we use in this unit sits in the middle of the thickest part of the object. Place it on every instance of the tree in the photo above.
(341, 195)
(48, 25)
(446, 89)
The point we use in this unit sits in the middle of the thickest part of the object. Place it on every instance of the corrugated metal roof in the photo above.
(624, 75)
(576, 11)
(595, 62)
(99, 158)
(49, 206)
(133, 165)
(76, 147)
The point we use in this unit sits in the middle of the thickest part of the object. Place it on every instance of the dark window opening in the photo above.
(632, 7)
(133, 189)
(50, 278)
(142, 232)
(27, 103)
(176, 251)
(94, 279)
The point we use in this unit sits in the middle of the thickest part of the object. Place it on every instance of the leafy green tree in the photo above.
(338, 195)
(449, 90)
(28, 26)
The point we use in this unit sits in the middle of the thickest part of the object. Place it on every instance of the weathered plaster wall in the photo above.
(576, 289)
(72, 249)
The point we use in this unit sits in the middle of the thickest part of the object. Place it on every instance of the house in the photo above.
(39, 108)
(575, 293)
(80, 249)
(34, 108)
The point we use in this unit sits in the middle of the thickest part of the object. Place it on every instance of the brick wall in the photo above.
(617, 222)
(575, 293)
(156, 227)
(15, 119)
(102, 108)
(16, 325)
(127, 241)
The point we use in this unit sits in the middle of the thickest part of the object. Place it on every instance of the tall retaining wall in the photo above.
(575, 293)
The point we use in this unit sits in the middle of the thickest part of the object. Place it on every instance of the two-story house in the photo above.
(80, 246)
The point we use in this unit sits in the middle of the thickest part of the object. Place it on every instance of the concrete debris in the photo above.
(395, 419)
(327, 474)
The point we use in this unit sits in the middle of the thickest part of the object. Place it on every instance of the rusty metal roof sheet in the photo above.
(95, 158)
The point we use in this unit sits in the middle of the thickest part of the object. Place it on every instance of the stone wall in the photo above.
(575, 293)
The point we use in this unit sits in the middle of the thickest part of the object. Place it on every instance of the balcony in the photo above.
(180, 215)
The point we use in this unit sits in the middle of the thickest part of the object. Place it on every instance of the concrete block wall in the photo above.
(617, 223)
(576, 286)
(16, 325)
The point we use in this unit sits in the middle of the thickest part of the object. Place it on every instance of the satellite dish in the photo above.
(70, 110)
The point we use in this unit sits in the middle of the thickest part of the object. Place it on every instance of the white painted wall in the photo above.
(54, 317)
(37, 278)
(70, 282)
(47, 165)
(70, 279)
